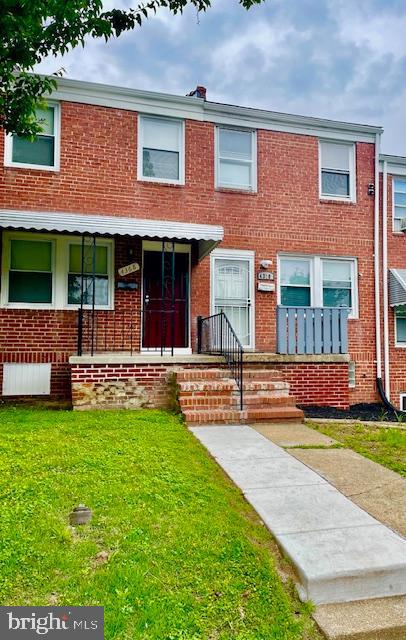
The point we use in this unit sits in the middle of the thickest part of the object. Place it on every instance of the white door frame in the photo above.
(237, 254)
(156, 245)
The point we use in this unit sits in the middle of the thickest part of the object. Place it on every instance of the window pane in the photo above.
(235, 144)
(335, 184)
(75, 288)
(161, 134)
(400, 186)
(160, 164)
(335, 156)
(31, 255)
(400, 329)
(397, 224)
(231, 280)
(30, 287)
(336, 271)
(400, 198)
(295, 296)
(45, 118)
(339, 297)
(235, 174)
(40, 152)
(295, 271)
(75, 259)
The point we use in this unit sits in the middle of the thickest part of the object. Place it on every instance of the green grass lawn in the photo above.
(384, 445)
(186, 557)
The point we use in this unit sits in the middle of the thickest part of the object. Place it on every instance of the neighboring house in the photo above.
(272, 218)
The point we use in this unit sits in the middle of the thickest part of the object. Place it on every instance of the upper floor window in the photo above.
(315, 281)
(337, 171)
(399, 203)
(161, 150)
(236, 159)
(41, 153)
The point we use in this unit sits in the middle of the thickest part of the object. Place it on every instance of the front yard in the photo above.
(173, 552)
(385, 445)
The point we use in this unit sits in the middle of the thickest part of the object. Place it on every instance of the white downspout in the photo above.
(385, 278)
(376, 263)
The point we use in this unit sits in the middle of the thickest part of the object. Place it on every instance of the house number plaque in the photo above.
(129, 268)
(265, 275)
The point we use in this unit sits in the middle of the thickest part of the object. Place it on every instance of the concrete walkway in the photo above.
(341, 553)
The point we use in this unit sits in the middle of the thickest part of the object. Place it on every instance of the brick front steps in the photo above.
(212, 396)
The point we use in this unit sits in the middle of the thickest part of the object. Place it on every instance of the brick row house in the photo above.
(148, 236)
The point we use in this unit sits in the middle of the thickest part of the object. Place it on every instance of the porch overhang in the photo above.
(397, 287)
(206, 236)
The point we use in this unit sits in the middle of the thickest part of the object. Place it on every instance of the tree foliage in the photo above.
(30, 30)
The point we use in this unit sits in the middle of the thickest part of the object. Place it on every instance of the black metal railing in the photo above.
(216, 336)
(101, 331)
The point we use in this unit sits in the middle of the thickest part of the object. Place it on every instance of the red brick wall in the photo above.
(311, 384)
(98, 175)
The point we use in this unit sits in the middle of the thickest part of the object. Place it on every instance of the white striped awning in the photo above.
(206, 235)
(397, 287)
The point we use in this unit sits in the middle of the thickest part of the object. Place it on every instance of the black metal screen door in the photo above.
(165, 299)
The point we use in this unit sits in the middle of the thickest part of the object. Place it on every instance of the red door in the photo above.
(166, 300)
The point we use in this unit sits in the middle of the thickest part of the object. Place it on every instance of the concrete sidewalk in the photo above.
(341, 553)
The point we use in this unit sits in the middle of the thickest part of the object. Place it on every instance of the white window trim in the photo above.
(60, 270)
(140, 146)
(254, 160)
(398, 345)
(401, 396)
(403, 179)
(236, 254)
(316, 279)
(8, 146)
(352, 197)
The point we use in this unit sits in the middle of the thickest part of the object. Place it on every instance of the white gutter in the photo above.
(376, 262)
(385, 278)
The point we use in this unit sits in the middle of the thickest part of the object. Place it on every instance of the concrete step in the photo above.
(377, 619)
(340, 552)
(230, 416)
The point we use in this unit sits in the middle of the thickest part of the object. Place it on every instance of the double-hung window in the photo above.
(30, 271)
(315, 281)
(93, 262)
(45, 271)
(400, 326)
(161, 150)
(399, 203)
(41, 153)
(337, 170)
(236, 159)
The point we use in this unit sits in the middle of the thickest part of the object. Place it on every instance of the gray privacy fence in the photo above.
(310, 330)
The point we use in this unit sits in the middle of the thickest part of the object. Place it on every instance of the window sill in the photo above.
(331, 200)
(32, 167)
(161, 183)
(246, 192)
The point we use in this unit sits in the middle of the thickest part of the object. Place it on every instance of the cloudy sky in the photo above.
(340, 59)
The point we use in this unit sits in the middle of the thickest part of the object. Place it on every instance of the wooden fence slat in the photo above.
(335, 330)
(281, 328)
(301, 336)
(318, 317)
(292, 330)
(327, 330)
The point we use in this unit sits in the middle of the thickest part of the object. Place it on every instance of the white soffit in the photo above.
(207, 236)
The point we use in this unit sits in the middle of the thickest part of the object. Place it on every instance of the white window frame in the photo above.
(402, 179)
(140, 147)
(399, 345)
(60, 270)
(254, 160)
(401, 398)
(316, 279)
(352, 197)
(8, 146)
(236, 254)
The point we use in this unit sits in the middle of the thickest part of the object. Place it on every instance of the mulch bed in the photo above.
(376, 412)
